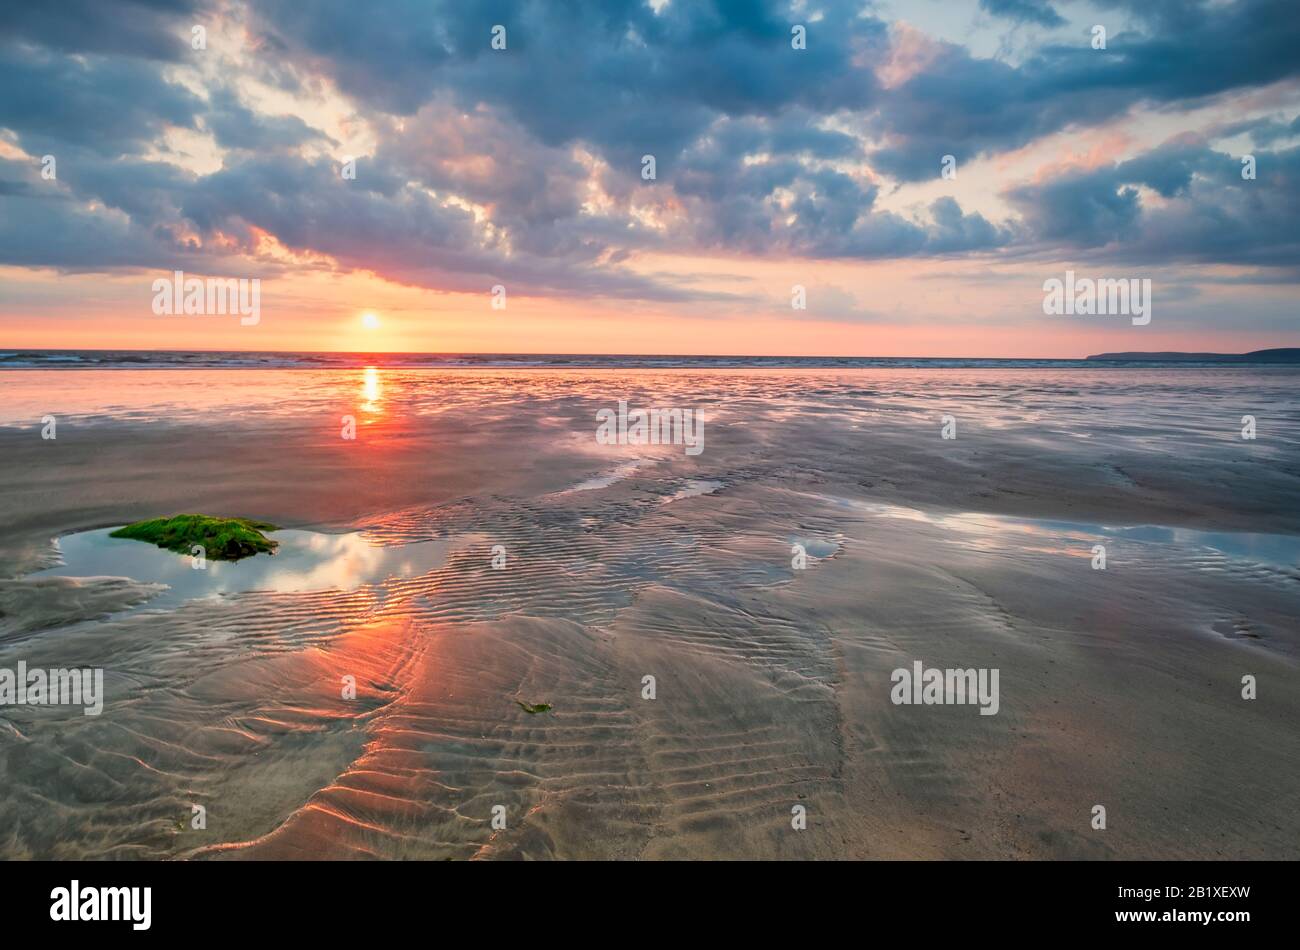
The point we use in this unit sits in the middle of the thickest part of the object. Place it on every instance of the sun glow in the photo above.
(370, 321)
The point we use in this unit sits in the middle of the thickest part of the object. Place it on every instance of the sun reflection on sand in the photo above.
(371, 390)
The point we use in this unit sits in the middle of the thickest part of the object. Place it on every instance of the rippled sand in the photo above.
(1119, 687)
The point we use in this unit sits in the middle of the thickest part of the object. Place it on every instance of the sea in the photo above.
(238, 359)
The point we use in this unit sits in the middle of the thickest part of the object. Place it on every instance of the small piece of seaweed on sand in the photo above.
(223, 539)
(533, 708)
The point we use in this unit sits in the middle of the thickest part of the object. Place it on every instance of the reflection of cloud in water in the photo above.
(623, 470)
(986, 531)
(816, 547)
(304, 561)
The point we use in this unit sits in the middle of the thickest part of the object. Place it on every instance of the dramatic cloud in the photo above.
(110, 106)
(1203, 211)
(777, 131)
(966, 106)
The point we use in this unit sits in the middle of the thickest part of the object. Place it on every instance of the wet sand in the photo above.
(1119, 687)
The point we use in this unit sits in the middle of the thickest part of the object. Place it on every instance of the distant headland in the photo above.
(1286, 354)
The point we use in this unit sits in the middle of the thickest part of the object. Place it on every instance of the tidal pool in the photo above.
(304, 561)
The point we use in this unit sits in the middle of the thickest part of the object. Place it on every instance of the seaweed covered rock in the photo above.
(223, 539)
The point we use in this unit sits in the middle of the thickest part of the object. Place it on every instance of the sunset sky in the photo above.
(775, 166)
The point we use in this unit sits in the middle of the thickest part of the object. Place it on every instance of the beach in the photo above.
(1120, 687)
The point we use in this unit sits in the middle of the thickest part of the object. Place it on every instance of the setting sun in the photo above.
(370, 321)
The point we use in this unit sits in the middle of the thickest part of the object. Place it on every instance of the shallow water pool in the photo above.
(304, 561)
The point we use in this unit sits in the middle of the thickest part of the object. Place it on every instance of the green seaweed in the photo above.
(223, 539)
(533, 708)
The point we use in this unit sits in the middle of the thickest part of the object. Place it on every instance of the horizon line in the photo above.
(304, 352)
